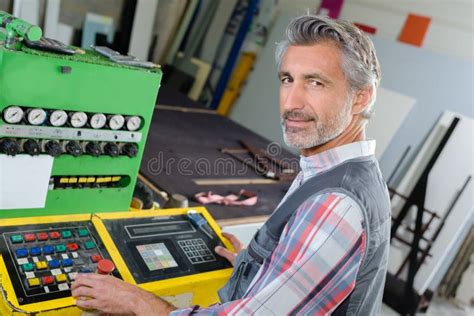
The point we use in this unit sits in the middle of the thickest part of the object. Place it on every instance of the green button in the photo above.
(89, 244)
(27, 267)
(83, 232)
(16, 239)
(60, 248)
(66, 234)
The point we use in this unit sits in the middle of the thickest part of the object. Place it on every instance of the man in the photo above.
(324, 250)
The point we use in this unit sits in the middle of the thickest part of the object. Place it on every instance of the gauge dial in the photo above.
(36, 116)
(116, 121)
(133, 123)
(13, 114)
(58, 118)
(98, 120)
(78, 119)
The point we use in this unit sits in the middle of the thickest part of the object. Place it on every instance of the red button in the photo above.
(47, 279)
(72, 246)
(42, 236)
(54, 235)
(105, 267)
(96, 258)
(29, 237)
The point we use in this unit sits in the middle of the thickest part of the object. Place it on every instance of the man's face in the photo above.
(315, 103)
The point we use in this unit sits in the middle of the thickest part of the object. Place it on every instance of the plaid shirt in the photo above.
(314, 267)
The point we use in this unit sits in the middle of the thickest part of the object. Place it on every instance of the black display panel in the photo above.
(43, 259)
(159, 248)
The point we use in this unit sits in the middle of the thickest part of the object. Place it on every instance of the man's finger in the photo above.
(221, 251)
(84, 291)
(85, 280)
(233, 240)
(88, 304)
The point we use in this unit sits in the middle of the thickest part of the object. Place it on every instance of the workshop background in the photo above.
(219, 100)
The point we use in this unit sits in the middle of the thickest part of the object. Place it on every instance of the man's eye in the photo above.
(316, 83)
(285, 80)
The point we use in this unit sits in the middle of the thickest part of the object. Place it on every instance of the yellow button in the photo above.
(116, 178)
(33, 282)
(64, 180)
(107, 179)
(40, 265)
(73, 180)
(82, 180)
(99, 180)
(90, 179)
(61, 278)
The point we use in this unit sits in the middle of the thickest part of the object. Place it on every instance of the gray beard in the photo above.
(317, 134)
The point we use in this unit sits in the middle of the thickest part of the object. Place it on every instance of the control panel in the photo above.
(167, 252)
(43, 260)
(165, 247)
(88, 114)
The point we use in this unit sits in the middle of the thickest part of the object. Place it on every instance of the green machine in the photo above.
(89, 113)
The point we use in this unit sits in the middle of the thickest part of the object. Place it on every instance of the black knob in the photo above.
(31, 147)
(53, 148)
(9, 146)
(130, 150)
(93, 149)
(73, 148)
(111, 149)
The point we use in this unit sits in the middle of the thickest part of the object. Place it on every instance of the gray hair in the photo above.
(360, 64)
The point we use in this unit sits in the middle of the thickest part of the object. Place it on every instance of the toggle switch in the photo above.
(9, 146)
(52, 148)
(129, 150)
(111, 150)
(73, 148)
(31, 147)
(93, 149)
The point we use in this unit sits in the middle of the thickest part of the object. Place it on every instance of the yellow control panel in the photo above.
(167, 252)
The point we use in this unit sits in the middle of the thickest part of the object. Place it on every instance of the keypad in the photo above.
(196, 251)
(48, 261)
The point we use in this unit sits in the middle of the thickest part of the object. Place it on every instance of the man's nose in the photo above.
(292, 97)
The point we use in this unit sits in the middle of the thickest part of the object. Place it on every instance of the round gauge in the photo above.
(13, 114)
(116, 121)
(98, 120)
(36, 116)
(58, 118)
(78, 119)
(133, 123)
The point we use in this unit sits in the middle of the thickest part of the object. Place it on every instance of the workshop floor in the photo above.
(438, 307)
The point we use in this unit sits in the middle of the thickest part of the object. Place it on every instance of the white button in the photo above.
(65, 256)
(75, 255)
(22, 261)
(72, 275)
(68, 269)
(56, 271)
(30, 275)
(35, 259)
(48, 258)
(46, 289)
(63, 286)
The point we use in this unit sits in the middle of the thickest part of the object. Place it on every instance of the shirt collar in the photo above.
(323, 161)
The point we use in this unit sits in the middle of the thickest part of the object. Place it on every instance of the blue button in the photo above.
(67, 262)
(54, 263)
(35, 251)
(21, 253)
(85, 270)
(47, 250)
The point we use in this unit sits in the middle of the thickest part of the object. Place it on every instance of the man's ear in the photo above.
(361, 100)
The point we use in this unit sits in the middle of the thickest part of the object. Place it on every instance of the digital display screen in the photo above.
(156, 256)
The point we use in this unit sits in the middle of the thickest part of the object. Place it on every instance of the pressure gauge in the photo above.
(133, 123)
(36, 116)
(98, 120)
(78, 119)
(58, 118)
(13, 114)
(116, 121)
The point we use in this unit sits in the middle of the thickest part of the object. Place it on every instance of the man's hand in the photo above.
(237, 244)
(108, 294)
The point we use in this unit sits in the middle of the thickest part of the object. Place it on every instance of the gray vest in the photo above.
(358, 178)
